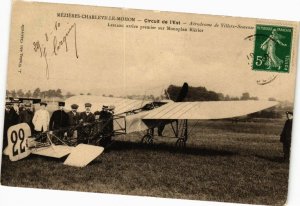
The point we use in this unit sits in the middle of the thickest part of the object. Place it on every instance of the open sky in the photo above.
(120, 60)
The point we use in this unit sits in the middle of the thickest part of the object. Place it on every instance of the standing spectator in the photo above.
(86, 118)
(21, 107)
(74, 118)
(107, 126)
(26, 116)
(41, 119)
(59, 120)
(16, 106)
(286, 134)
(10, 118)
(106, 115)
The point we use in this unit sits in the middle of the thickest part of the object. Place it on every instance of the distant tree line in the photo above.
(38, 93)
(150, 97)
(194, 94)
(267, 113)
(202, 94)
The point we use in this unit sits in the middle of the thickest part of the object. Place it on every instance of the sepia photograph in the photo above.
(149, 103)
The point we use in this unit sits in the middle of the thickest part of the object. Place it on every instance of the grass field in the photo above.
(223, 161)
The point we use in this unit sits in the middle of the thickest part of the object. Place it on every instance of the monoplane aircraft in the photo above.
(129, 116)
(139, 115)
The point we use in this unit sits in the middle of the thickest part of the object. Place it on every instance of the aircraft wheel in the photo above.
(147, 139)
(180, 143)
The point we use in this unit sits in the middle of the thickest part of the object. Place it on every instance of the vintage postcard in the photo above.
(149, 103)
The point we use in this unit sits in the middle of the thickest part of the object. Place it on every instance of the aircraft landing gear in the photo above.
(181, 143)
(148, 138)
(180, 130)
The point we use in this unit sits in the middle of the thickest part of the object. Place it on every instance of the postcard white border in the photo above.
(285, 10)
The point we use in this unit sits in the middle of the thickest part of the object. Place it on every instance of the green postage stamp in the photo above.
(272, 48)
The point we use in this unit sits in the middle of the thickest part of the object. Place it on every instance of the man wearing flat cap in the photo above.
(41, 118)
(74, 116)
(86, 118)
(59, 120)
(105, 117)
(286, 135)
(26, 116)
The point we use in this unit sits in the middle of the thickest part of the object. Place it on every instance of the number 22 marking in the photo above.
(14, 139)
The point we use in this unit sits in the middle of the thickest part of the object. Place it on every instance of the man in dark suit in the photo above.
(86, 119)
(106, 116)
(74, 116)
(26, 116)
(87, 116)
(10, 118)
(286, 135)
(59, 121)
(106, 125)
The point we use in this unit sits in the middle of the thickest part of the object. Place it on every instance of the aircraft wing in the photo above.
(208, 109)
(121, 104)
(82, 155)
(79, 156)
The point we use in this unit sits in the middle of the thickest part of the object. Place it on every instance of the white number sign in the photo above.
(17, 141)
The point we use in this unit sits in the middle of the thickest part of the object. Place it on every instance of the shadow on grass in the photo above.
(47, 159)
(273, 159)
(136, 147)
(36, 158)
(123, 146)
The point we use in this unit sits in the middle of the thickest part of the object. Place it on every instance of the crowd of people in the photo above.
(61, 123)
(81, 124)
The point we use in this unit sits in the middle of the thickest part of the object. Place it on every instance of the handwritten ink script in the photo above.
(55, 42)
